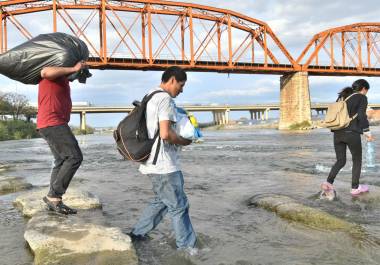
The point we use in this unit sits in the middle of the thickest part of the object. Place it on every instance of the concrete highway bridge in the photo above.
(220, 113)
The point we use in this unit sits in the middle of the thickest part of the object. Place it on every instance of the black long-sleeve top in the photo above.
(357, 104)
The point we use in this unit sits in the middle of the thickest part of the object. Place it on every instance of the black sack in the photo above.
(24, 62)
(131, 136)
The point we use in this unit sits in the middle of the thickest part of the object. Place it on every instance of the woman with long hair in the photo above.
(357, 103)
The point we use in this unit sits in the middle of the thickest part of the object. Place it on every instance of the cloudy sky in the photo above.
(293, 21)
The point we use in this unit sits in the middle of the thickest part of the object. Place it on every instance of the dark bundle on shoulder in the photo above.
(25, 62)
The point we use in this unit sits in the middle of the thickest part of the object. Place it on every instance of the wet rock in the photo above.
(289, 209)
(31, 203)
(4, 167)
(67, 240)
(13, 184)
(373, 196)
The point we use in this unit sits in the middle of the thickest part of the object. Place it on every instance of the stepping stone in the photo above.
(67, 240)
(373, 196)
(13, 184)
(31, 203)
(288, 208)
(4, 167)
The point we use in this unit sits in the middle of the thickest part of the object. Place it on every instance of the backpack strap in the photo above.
(157, 135)
(148, 97)
(350, 96)
(158, 145)
(353, 117)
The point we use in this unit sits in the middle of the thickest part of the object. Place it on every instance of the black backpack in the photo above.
(131, 136)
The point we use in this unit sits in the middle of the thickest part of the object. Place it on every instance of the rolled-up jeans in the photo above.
(169, 198)
(67, 157)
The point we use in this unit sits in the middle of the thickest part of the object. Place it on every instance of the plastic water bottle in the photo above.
(370, 154)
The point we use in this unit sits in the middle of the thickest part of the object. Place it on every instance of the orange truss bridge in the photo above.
(348, 50)
(152, 34)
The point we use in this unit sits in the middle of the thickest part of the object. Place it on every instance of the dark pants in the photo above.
(343, 139)
(67, 157)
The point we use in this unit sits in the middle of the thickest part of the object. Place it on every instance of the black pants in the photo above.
(343, 139)
(67, 157)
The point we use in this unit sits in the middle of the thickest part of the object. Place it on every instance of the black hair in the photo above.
(359, 85)
(345, 92)
(178, 73)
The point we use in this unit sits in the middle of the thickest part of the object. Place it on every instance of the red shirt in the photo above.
(54, 102)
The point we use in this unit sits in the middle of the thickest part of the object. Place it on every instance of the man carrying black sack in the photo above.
(54, 109)
(166, 175)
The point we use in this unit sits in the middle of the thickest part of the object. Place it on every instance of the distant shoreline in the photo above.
(316, 124)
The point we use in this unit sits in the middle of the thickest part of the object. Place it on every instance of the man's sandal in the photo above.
(59, 207)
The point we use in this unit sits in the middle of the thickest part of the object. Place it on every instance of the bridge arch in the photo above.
(151, 34)
(347, 50)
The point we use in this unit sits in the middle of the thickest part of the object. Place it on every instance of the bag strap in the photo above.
(350, 96)
(353, 117)
(157, 135)
(158, 145)
(148, 97)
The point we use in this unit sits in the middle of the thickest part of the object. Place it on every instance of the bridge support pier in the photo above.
(221, 117)
(83, 121)
(267, 114)
(227, 116)
(295, 105)
(251, 114)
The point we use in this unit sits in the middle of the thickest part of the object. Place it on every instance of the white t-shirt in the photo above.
(161, 107)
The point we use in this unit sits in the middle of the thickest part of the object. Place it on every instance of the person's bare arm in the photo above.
(52, 73)
(168, 134)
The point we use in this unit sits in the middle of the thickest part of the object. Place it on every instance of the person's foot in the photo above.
(56, 205)
(325, 186)
(191, 251)
(136, 238)
(361, 189)
(328, 191)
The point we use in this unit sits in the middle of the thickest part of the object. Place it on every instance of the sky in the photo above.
(293, 21)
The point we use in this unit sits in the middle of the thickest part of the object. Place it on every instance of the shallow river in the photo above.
(221, 174)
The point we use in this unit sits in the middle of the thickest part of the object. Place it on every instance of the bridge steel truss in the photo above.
(348, 50)
(152, 35)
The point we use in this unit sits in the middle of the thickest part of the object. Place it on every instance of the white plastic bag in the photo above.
(184, 127)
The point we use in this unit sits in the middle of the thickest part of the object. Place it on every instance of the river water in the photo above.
(221, 174)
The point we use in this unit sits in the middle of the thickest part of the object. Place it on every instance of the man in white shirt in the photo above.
(166, 173)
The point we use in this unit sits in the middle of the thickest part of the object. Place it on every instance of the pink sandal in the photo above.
(361, 189)
(328, 191)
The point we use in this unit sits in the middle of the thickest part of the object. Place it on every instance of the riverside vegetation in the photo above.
(16, 116)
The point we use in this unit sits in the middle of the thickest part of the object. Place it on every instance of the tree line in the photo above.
(17, 106)
(20, 125)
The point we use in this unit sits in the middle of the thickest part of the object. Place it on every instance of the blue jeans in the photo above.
(169, 198)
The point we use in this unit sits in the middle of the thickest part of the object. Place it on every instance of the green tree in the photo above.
(4, 104)
(17, 104)
(30, 112)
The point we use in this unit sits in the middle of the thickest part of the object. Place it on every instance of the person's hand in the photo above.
(369, 137)
(186, 141)
(80, 65)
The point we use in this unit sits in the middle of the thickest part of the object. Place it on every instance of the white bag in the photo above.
(184, 127)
